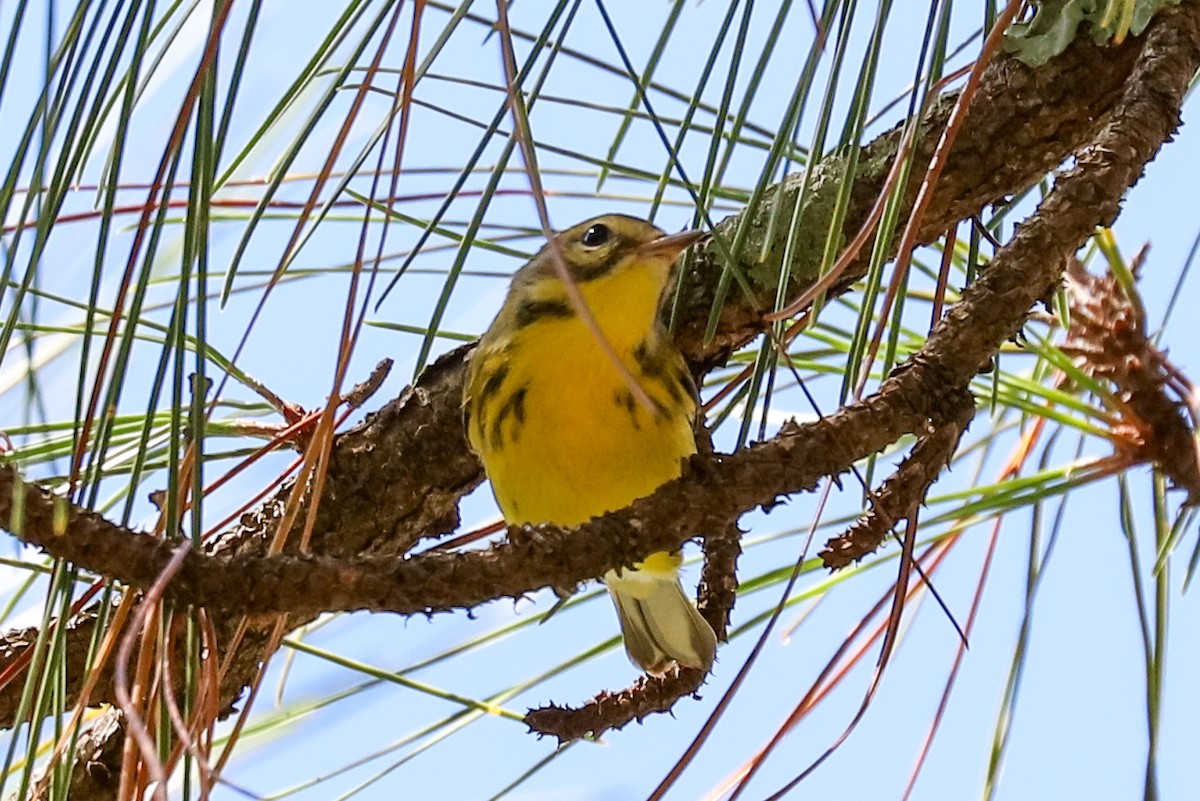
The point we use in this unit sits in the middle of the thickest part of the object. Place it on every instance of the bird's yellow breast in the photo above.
(563, 438)
(580, 444)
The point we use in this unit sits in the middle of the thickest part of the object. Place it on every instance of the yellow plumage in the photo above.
(562, 435)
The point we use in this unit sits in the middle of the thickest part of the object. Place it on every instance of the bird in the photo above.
(565, 435)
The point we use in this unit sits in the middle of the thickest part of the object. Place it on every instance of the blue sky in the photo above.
(1079, 729)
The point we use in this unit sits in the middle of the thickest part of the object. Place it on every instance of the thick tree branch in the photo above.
(711, 494)
(1023, 123)
(15, 646)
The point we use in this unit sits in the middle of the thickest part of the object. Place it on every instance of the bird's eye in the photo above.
(595, 236)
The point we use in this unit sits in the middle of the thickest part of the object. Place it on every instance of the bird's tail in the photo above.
(660, 625)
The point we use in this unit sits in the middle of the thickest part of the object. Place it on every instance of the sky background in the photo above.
(1079, 729)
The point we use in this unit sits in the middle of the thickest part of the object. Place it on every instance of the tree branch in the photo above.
(903, 491)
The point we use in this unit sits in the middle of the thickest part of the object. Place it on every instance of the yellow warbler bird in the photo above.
(562, 432)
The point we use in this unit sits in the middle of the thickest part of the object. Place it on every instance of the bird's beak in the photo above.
(670, 246)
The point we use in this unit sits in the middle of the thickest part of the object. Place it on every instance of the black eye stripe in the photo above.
(596, 235)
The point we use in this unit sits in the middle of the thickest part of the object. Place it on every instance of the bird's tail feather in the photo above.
(660, 625)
